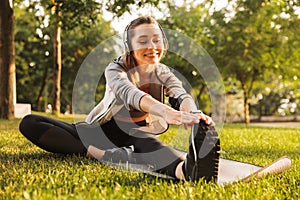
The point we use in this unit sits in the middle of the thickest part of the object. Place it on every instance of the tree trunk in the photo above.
(246, 106)
(57, 67)
(7, 61)
(201, 90)
(42, 89)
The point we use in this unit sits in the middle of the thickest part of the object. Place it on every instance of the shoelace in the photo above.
(193, 144)
(193, 136)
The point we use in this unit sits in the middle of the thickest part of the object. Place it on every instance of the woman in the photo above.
(132, 112)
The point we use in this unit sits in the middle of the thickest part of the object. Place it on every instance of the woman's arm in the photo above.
(170, 115)
(188, 105)
(124, 90)
(175, 90)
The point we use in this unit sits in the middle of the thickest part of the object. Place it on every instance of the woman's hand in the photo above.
(172, 116)
(200, 116)
(175, 117)
(187, 119)
(207, 119)
(188, 105)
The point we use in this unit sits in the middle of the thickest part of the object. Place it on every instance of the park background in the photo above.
(255, 45)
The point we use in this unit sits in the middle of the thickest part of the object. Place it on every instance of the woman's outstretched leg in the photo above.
(202, 160)
(52, 135)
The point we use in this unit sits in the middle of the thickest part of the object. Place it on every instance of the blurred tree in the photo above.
(191, 58)
(7, 60)
(35, 54)
(69, 14)
(192, 26)
(248, 42)
(118, 8)
(276, 95)
(78, 44)
(66, 15)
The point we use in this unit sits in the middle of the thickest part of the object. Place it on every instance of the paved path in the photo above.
(277, 124)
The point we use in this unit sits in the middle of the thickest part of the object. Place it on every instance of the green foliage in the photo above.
(275, 96)
(28, 172)
(120, 7)
(255, 41)
(78, 43)
(70, 14)
(192, 26)
(246, 39)
(34, 54)
(249, 41)
(80, 13)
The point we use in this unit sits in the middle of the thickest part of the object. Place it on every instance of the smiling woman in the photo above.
(123, 125)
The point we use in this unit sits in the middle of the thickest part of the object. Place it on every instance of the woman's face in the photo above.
(147, 44)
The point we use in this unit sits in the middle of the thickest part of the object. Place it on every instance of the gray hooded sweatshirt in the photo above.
(121, 92)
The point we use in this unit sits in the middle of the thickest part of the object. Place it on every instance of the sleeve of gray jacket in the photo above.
(173, 85)
(125, 91)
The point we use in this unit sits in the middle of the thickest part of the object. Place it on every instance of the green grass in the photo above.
(28, 172)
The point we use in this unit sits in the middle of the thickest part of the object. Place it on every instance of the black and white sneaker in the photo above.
(202, 160)
(119, 155)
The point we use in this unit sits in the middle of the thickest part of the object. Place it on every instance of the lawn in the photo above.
(28, 172)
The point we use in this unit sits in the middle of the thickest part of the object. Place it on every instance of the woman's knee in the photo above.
(25, 122)
(148, 143)
(29, 126)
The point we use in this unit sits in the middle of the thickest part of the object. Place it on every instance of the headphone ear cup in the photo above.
(126, 47)
(165, 40)
(166, 44)
(125, 39)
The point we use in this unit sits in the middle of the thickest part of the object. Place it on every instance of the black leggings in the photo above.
(60, 137)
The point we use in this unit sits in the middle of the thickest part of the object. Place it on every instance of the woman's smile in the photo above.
(152, 55)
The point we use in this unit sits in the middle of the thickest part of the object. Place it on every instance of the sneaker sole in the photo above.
(205, 144)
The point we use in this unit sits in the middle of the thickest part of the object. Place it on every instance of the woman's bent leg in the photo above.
(152, 151)
(148, 149)
(52, 135)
